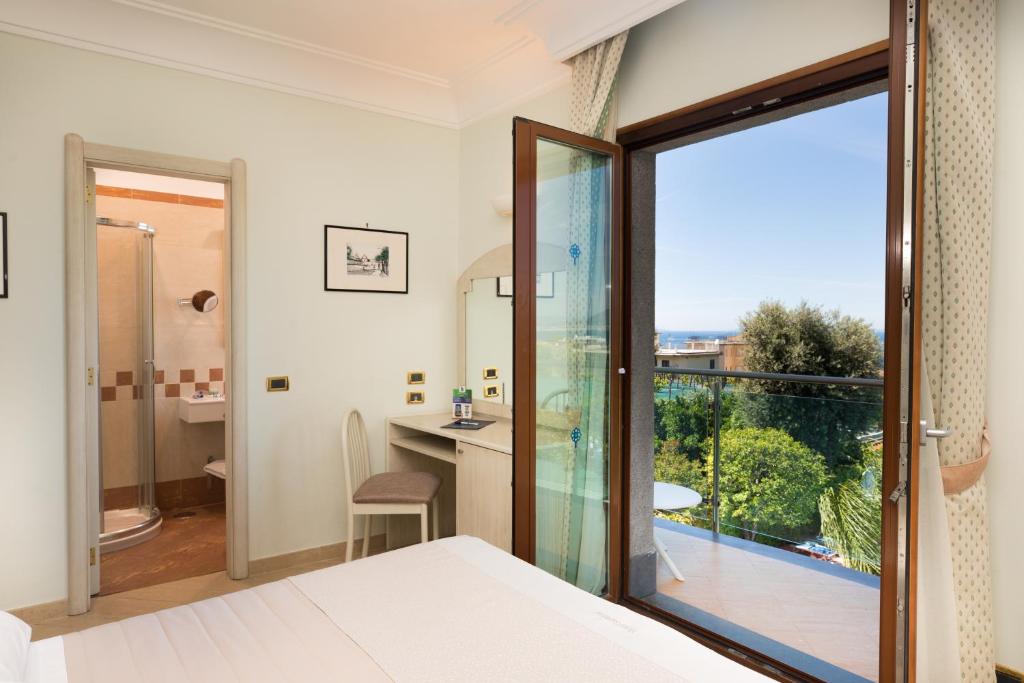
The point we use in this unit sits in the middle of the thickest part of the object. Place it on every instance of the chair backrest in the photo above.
(355, 452)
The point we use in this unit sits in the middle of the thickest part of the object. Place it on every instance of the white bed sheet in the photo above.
(46, 662)
(453, 610)
(459, 609)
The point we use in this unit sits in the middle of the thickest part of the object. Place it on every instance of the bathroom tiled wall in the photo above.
(189, 346)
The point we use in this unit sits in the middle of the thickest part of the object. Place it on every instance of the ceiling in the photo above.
(446, 62)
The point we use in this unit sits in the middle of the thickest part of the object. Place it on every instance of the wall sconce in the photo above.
(502, 205)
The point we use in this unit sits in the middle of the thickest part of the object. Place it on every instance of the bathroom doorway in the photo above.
(167, 473)
(160, 329)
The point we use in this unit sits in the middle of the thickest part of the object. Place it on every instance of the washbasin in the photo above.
(205, 409)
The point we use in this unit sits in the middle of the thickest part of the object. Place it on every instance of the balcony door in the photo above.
(568, 201)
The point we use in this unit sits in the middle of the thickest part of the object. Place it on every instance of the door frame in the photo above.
(82, 378)
(862, 66)
(524, 414)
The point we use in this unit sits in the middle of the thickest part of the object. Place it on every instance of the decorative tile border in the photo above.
(151, 196)
(125, 389)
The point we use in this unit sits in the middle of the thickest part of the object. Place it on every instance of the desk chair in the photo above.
(388, 493)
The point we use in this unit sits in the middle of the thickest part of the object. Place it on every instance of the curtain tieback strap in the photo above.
(959, 478)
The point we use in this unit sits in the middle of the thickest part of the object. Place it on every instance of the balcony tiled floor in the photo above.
(821, 610)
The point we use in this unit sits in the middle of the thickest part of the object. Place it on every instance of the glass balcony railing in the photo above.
(790, 461)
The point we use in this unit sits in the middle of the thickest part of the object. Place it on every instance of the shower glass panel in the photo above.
(129, 514)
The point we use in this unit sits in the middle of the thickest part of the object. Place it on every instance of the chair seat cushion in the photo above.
(398, 487)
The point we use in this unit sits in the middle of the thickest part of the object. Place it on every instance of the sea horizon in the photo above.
(666, 337)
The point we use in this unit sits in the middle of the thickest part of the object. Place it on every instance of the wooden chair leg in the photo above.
(351, 535)
(423, 524)
(436, 504)
(366, 534)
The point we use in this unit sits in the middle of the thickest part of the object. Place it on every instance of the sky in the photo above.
(792, 210)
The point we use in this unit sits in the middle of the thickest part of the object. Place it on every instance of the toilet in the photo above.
(217, 468)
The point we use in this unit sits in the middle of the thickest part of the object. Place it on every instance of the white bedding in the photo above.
(456, 609)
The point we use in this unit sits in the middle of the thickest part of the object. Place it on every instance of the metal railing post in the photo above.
(716, 452)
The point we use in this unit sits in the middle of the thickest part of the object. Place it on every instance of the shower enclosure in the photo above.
(128, 514)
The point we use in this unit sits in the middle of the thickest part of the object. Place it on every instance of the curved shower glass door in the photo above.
(129, 514)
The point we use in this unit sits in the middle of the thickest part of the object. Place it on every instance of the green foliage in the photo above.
(851, 516)
(768, 480)
(672, 467)
(807, 340)
(688, 419)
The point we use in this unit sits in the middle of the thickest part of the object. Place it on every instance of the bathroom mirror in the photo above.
(203, 301)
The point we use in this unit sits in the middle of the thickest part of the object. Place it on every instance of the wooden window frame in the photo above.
(870, 64)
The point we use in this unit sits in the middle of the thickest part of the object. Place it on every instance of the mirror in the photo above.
(484, 299)
(484, 330)
(203, 301)
(488, 365)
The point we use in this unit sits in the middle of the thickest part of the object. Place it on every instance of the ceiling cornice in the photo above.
(540, 35)
(270, 37)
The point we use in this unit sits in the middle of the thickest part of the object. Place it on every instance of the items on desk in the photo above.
(468, 424)
(462, 403)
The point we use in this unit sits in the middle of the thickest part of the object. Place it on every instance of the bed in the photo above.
(456, 609)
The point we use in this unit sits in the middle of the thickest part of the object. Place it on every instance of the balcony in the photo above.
(783, 552)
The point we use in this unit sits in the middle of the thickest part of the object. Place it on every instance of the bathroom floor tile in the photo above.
(188, 545)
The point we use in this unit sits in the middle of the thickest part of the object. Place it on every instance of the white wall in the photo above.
(309, 163)
(1006, 331)
(485, 171)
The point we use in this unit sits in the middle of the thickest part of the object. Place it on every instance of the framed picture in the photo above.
(3, 254)
(365, 260)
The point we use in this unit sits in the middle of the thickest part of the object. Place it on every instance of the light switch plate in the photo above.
(278, 383)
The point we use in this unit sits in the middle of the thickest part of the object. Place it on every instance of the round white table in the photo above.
(672, 497)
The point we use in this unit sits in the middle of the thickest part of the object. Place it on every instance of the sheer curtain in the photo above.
(959, 132)
(583, 546)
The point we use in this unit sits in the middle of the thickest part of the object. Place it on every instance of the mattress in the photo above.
(456, 609)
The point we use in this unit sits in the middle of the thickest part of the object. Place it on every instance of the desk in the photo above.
(475, 467)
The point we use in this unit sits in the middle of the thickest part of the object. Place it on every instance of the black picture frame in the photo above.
(387, 235)
(4, 288)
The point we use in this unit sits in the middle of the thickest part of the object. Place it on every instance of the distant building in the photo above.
(703, 354)
(691, 359)
(734, 353)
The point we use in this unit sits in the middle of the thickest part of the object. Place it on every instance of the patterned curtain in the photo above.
(584, 541)
(959, 131)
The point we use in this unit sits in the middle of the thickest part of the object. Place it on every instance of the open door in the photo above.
(567, 464)
(903, 351)
(94, 468)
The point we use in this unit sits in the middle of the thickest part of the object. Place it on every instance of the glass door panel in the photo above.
(566, 228)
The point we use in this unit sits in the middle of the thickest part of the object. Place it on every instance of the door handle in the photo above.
(933, 432)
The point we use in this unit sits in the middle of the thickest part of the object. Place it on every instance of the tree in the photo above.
(767, 480)
(851, 517)
(806, 340)
(672, 467)
(688, 418)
